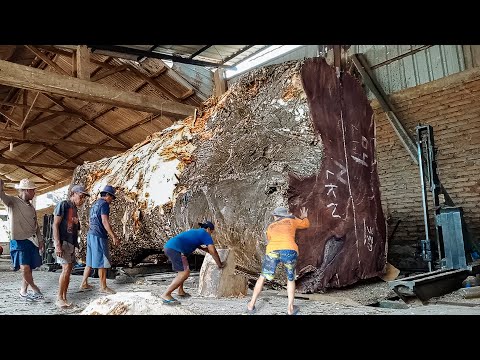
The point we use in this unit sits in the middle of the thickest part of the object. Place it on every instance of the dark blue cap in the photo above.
(207, 224)
(109, 189)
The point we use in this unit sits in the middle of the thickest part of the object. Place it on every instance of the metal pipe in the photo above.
(424, 193)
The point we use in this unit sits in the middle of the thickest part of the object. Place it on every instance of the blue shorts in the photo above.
(178, 260)
(24, 252)
(98, 254)
(273, 258)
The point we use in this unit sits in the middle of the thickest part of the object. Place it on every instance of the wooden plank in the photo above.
(83, 61)
(220, 82)
(34, 79)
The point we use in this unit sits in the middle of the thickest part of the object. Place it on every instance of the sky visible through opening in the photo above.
(263, 56)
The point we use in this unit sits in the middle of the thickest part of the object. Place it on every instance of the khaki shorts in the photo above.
(68, 255)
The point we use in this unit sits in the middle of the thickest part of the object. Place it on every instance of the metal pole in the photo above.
(424, 196)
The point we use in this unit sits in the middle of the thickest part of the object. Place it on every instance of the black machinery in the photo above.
(448, 261)
(49, 258)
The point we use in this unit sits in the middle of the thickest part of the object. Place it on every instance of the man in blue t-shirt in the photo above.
(65, 237)
(178, 248)
(98, 252)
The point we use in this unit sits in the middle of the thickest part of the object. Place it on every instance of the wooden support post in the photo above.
(83, 62)
(220, 82)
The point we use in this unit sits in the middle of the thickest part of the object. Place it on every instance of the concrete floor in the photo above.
(143, 290)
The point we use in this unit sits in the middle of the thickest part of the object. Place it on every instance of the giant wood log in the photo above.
(284, 135)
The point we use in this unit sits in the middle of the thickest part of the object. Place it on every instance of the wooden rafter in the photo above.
(111, 69)
(69, 53)
(152, 82)
(22, 137)
(34, 79)
(198, 52)
(87, 121)
(4, 160)
(25, 117)
(138, 88)
(109, 72)
(147, 119)
(36, 174)
(10, 118)
(46, 59)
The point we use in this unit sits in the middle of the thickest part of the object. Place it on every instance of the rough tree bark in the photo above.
(259, 147)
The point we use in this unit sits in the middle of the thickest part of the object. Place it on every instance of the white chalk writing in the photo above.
(367, 235)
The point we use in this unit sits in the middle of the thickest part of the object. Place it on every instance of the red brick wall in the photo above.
(452, 107)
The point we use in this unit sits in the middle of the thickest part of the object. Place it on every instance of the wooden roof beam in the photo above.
(10, 118)
(4, 160)
(88, 122)
(37, 175)
(22, 137)
(46, 59)
(137, 88)
(34, 108)
(141, 122)
(109, 72)
(34, 79)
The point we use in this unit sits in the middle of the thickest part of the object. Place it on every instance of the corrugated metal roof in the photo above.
(227, 55)
(424, 66)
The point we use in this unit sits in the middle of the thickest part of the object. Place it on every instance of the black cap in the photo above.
(207, 224)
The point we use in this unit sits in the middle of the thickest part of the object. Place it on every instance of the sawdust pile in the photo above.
(133, 303)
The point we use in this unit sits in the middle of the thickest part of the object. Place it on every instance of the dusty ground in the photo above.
(140, 295)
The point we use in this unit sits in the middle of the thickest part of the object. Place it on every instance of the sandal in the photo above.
(170, 302)
(295, 311)
(29, 297)
(186, 295)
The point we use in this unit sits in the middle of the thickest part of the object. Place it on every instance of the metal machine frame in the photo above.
(447, 264)
(449, 234)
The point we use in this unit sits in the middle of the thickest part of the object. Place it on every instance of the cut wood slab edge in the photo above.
(391, 273)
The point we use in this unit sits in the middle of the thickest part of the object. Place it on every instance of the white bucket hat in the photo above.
(26, 184)
(281, 212)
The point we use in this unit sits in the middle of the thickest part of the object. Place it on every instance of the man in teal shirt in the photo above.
(178, 248)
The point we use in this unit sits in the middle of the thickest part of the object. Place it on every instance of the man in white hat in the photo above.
(26, 241)
(65, 236)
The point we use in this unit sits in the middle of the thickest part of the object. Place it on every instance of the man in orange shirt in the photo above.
(281, 248)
